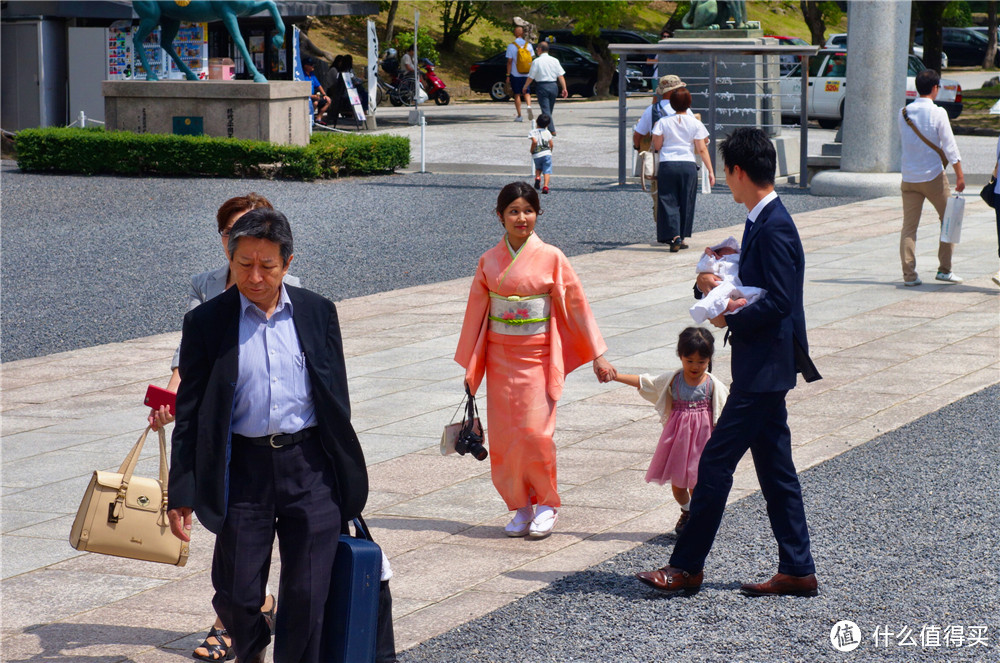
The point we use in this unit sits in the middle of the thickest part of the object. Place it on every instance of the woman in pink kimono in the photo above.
(527, 325)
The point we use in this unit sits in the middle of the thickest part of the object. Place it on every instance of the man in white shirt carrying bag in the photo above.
(549, 79)
(928, 145)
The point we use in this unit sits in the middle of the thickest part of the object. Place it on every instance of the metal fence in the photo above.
(722, 77)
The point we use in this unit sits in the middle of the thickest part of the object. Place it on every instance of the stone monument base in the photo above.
(276, 111)
(727, 33)
(844, 183)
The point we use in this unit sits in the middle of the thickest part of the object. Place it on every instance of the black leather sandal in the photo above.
(269, 614)
(216, 652)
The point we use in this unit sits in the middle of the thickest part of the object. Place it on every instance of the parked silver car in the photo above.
(839, 40)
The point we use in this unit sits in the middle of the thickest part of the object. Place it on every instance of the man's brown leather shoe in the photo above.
(669, 580)
(784, 584)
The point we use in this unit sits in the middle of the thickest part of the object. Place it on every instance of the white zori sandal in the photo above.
(520, 523)
(545, 520)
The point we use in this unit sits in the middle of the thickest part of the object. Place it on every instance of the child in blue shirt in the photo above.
(541, 151)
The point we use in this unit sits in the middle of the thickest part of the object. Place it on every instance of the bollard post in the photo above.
(423, 123)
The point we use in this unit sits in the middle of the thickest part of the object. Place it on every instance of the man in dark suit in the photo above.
(263, 443)
(769, 347)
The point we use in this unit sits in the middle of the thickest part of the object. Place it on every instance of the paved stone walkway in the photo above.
(888, 354)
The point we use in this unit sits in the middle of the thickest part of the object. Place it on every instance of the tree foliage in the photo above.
(491, 45)
(817, 15)
(674, 22)
(991, 34)
(957, 14)
(390, 20)
(457, 18)
(426, 46)
(929, 15)
(587, 19)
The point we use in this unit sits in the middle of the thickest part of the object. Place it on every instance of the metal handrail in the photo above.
(719, 48)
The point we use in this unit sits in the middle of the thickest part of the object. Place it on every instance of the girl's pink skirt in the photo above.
(679, 450)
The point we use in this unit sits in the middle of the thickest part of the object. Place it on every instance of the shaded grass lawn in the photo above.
(976, 111)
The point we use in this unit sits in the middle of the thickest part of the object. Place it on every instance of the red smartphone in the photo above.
(157, 396)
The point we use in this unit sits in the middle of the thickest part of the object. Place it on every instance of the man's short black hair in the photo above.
(926, 80)
(751, 150)
(263, 223)
(308, 61)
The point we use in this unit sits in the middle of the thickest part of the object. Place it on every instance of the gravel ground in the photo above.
(94, 260)
(905, 532)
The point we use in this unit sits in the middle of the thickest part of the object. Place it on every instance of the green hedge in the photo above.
(93, 151)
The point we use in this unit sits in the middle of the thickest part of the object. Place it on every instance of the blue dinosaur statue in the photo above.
(170, 13)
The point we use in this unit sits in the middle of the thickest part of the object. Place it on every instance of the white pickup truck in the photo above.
(828, 88)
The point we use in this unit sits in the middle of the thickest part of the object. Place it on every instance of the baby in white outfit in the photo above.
(727, 267)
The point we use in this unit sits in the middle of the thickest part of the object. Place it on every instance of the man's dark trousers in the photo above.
(758, 421)
(285, 491)
(547, 93)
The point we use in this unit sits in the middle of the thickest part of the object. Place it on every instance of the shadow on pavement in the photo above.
(64, 641)
(622, 586)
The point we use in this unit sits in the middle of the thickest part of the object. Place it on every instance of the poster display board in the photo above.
(191, 44)
(155, 56)
(255, 46)
(279, 59)
(122, 62)
(352, 94)
(118, 46)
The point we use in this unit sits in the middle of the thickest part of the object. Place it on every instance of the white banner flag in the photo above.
(372, 66)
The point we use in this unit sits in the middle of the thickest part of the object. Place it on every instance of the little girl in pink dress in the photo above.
(689, 401)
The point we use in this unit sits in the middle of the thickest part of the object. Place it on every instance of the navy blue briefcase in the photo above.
(352, 609)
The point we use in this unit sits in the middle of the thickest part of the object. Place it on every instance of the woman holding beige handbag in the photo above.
(217, 645)
(126, 515)
(996, 207)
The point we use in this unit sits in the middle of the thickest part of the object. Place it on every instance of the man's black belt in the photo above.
(277, 440)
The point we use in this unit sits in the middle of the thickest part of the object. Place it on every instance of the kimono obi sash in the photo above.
(520, 316)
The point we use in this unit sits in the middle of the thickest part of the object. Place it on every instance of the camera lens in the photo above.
(478, 451)
(470, 442)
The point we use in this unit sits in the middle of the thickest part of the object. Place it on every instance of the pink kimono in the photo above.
(525, 343)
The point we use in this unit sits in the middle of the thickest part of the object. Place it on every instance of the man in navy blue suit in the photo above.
(769, 347)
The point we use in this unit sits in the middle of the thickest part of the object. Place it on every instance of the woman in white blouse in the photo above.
(677, 138)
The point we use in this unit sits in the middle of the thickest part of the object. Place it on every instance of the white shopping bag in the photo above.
(951, 223)
(706, 187)
(421, 94)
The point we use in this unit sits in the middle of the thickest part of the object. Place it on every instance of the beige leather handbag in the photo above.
(126, 516)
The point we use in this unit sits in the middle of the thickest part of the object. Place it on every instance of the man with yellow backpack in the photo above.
(519, 56)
